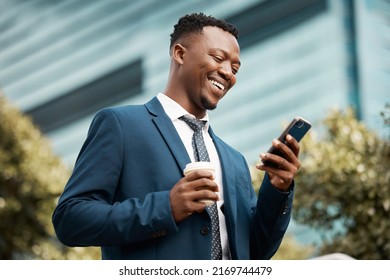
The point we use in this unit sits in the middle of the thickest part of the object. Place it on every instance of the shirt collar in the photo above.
(174, 110)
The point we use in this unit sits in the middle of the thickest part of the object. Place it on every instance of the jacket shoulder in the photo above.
(152, 107)
(121, 110)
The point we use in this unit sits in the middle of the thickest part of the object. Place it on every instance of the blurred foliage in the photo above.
(343, 187)
(31, 180)
(291, 249)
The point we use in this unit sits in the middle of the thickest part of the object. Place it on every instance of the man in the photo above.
(127, 192)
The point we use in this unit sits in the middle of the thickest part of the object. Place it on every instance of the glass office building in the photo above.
(61, 61)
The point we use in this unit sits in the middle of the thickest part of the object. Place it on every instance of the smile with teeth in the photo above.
(218, 85)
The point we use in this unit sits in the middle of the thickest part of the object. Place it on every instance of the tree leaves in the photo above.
(31, 180)
(344, 186)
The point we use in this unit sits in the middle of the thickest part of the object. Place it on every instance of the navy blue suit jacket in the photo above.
(118, 194)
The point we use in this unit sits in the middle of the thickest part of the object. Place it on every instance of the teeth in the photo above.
(218, 85)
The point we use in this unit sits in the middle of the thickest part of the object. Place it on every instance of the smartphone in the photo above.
(297, 128)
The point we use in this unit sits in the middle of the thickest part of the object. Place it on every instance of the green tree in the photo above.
(31, 179)
(291, 249)
(344, 188)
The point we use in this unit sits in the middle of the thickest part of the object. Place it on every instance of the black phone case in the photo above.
(297, 129)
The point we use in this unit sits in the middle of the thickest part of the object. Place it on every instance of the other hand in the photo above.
(287, 166)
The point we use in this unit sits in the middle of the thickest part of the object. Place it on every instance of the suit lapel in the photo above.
(168, 132)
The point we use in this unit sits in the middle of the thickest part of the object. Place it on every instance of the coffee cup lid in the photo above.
(199, 165)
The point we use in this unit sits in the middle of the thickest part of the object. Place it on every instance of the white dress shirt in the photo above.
(174, 112)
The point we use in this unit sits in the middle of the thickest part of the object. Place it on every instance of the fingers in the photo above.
(283, 168)
(185, 195)
(289, 154)
(199, 180)
(289, 151)
(199, 174)
(293, 144)
(280, 178)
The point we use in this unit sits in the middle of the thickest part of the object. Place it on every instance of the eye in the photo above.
(218, 58)
(235, 69)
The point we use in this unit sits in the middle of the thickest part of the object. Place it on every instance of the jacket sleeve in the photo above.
(87, 215)
(271, 219)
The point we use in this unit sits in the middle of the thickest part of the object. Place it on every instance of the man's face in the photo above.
(209, 68)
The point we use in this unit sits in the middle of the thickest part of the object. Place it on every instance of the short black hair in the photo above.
(194, 23)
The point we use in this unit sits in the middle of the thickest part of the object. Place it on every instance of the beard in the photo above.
(207, 104)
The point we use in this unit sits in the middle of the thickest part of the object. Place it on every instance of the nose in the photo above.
(226, 72)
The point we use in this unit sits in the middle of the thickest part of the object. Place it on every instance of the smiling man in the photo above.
(127, 192)
(204, 69)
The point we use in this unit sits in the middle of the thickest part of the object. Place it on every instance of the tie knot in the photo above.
(195, 124)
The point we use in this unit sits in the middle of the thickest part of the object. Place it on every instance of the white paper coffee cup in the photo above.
(200, 165)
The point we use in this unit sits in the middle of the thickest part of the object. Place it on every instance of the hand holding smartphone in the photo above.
(297, 128)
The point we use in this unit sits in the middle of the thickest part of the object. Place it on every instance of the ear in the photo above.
(178, 53)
